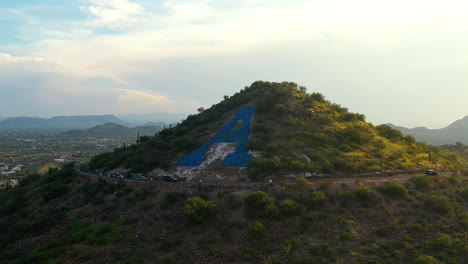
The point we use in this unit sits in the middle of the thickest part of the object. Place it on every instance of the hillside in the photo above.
(455, 132)
(63, 218)
(291, 132)
(60, 122)
(111, 130)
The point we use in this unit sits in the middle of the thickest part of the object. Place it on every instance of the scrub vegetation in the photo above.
(60, 218)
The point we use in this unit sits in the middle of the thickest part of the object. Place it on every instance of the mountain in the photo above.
(112, 130)
(455, 132)
(151, 123)
(275, 129)
(141, 119)
(60, 122)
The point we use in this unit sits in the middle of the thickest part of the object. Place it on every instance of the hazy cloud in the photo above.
(394, 61)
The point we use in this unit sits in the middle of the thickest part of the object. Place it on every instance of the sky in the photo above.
(400, 62)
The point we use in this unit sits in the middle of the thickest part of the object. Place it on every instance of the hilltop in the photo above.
(291, 131)
(455, 132)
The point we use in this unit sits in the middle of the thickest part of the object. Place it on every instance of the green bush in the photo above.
(394, 190)
(423, 183)
(316, 199)
(425, 259)
(272, 211)
(438, 204)
(257, 229)
(257, 202)
(464, 219)
(260, 167)
(289, 207)
(302, 182)
(389, 132)
(323, 253)
(365, 195)
(464, 194)
(197, 210)
(444, 241)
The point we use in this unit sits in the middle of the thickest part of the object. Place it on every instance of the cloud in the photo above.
(31, 86)
(113, 13)
(179, 54)
(143, 102)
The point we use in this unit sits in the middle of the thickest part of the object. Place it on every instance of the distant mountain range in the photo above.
(112, 130)
(89, 121)
(141, 119)
(61, 122)
(455, 132)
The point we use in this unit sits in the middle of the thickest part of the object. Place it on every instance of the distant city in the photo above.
(33, 145)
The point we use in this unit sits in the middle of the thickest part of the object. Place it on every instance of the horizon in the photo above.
(395, 62)
(130, 120)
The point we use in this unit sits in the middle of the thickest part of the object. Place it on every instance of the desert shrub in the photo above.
(301, 182)
(89, 233)
(257, 229)
(423, 183)
(272, 148)
(257, 202)
(95, 191)
(57, 182)
(197, 210)
(365, 195)
(389, 132)
(464, 219)
(260, 167)
(297, 165)
(316, 199)
(272, 211)
(464, 194)
(322, 253)
(291, 246)
(438, 204)
(255, 143)
(443, 241)
(346, 197)
(394, 190)
(290, 207)
(55, 190)
(172, 198)
(12, 204)
(425, 259)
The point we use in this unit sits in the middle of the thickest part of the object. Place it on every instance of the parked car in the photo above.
(141, 178)
(431, 173)
(169, 178)
(117, 175)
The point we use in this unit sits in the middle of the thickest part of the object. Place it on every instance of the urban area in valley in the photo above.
(23, 152)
